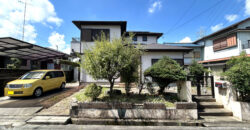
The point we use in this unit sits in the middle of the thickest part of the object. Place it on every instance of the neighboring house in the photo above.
(220, 46)
(196, 54)
(115, 29)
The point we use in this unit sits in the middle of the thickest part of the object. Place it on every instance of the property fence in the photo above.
(204, 84)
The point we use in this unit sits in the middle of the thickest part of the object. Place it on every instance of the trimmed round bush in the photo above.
(93, 91)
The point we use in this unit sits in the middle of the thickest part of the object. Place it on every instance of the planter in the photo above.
(124, 110)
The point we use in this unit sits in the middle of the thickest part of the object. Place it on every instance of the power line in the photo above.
(196, 16)
(184, 14)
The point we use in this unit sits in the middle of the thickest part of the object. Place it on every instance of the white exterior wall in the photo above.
(210, 54)
(75, 46)
(147, 57)
(115, 32)
(243, 39)
(150, 40)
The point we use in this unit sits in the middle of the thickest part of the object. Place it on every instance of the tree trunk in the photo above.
(140, 88)
(161, 90)
(127, 88)
(111, 82)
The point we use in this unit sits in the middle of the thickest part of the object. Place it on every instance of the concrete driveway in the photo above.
(21, 102)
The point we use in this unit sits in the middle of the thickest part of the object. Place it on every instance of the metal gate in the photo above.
(202, 86)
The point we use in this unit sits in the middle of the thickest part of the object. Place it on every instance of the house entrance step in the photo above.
(202, 105)
(228, 124)
(204, 99)
(216, 119)
(214, 112)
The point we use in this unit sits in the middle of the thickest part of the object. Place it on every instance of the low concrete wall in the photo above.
(103, 110)
(227, 96)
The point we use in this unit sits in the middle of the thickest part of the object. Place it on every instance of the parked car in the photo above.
(36, 83)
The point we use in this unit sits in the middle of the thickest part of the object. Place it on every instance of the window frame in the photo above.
(153, 61)
(134, 38)
(222, 42)
(144, 38)
(92, 30)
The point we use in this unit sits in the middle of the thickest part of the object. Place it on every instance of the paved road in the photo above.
(20, 102)
(108, 127)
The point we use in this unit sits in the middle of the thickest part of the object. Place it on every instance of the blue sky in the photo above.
(49, 22)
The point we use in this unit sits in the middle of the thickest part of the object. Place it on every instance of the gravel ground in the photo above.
(60, 108)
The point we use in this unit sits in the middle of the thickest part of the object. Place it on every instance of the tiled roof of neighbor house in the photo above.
(145, 33)
(162, 47)
(12, 47)
(233, 26)
(123, 24)
(217, 60)
(192, 45)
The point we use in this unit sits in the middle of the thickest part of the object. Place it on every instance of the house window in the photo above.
(248, 44)
(89, 35)
(224, 42)
(144, 38)
(197, 54)
(135, 38)
(153, 61)
(180, 61)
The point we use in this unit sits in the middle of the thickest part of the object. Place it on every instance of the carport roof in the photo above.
(12, 47)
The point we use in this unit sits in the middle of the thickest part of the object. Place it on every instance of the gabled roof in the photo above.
(123, 24)
(145, 33)
(162, 47)
(233, 26)
(192, 45)
(12, 47)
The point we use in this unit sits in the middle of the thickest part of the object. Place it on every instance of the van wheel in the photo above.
(62, 86)
(38, 92)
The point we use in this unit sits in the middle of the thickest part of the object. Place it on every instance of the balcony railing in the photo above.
(75, 39)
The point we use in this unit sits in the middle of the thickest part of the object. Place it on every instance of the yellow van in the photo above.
(36, 83)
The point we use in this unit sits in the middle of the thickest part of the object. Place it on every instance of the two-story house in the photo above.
(220, 46)
(153, 51)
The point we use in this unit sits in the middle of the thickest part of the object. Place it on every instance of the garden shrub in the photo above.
(239, 75)
(93, 91)
(164, 72)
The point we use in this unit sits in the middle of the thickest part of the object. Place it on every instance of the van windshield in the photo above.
(33, 75)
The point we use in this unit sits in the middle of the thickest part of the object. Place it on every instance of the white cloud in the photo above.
(185, 40)
(216, 27)
(37, 11)
(247, 7)
(56, 41)
(231, 17)
(154, 6)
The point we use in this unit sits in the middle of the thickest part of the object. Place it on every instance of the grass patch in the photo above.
(168, 98)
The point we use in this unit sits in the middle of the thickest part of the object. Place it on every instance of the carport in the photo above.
(11, 47)
(31, 53)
